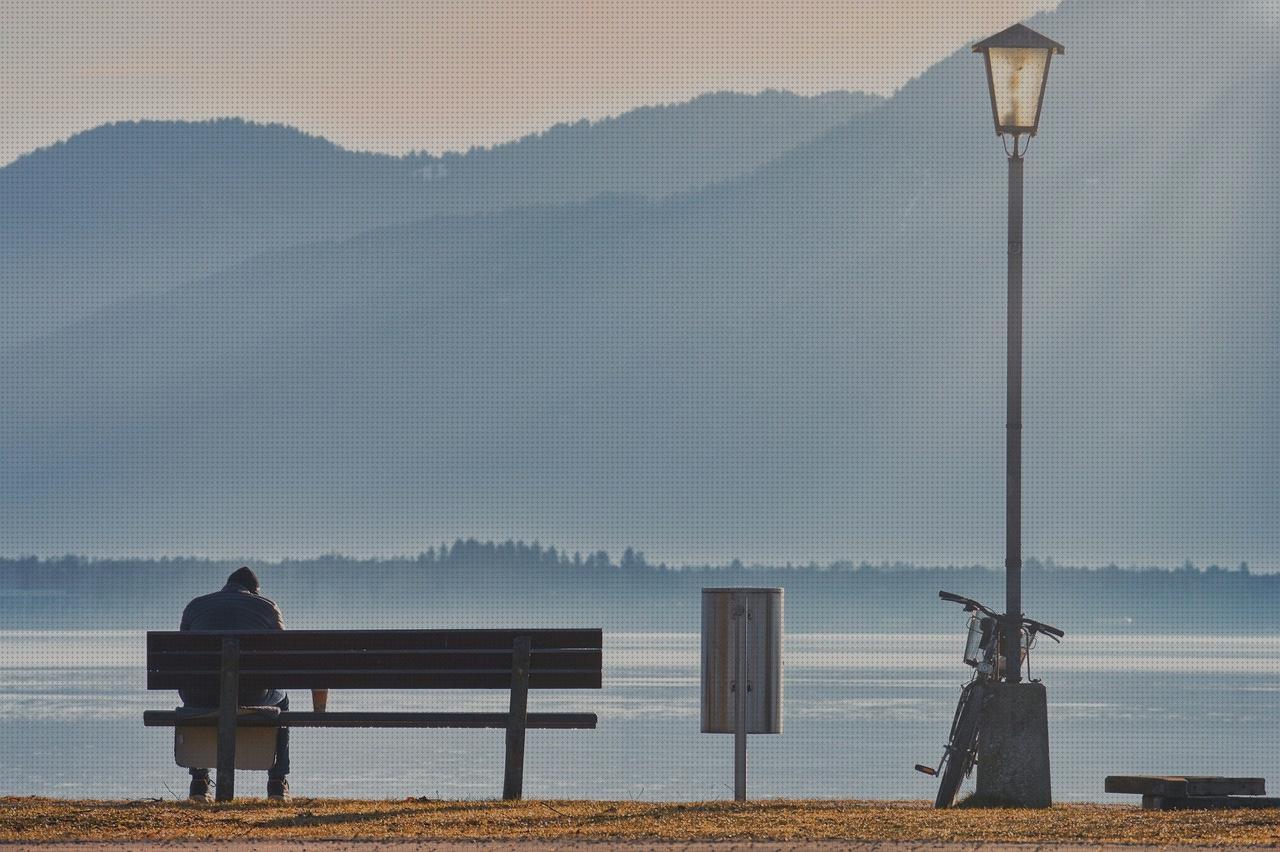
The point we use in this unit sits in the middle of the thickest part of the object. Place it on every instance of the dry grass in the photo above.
(33, 819)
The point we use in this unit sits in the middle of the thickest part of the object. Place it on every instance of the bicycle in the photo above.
(982, 653)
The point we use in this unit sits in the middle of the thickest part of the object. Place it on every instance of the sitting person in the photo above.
(238, 606)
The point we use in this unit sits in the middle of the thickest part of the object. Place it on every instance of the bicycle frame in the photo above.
(982, 653)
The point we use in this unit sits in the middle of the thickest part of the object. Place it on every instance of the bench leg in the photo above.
(228, 705)
(513, 779)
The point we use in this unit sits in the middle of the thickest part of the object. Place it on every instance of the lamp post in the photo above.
(1017, 62)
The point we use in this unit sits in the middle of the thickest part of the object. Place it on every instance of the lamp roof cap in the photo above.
(1019, 36)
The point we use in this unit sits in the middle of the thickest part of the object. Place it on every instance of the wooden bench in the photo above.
(1178, 792)
(224, 663)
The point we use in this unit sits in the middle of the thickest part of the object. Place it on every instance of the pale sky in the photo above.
(447, 75)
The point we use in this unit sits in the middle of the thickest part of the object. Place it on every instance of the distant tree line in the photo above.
(471, 553)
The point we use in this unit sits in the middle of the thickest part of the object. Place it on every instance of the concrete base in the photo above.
(1013, 746)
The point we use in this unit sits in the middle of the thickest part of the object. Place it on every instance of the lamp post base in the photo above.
(1013, 747)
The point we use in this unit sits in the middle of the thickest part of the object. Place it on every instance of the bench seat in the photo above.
(1187, 792)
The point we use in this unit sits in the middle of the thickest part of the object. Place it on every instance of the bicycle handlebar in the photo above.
(1041, 627)
(971, 605)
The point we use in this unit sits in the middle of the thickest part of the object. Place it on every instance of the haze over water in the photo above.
(860, 710)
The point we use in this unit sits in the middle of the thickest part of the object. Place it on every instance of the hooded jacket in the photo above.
(232, 608)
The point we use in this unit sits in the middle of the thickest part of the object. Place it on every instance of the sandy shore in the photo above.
(335, 824)
(547, 846)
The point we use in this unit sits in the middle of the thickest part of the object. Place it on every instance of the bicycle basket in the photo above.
(976, 641)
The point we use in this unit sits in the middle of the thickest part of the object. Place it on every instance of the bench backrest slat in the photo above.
(376, 659)
(370, 640)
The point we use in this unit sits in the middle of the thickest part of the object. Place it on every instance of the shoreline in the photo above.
(336, 824)
(556, 846)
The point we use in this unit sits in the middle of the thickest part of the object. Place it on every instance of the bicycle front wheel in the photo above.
(962, 750)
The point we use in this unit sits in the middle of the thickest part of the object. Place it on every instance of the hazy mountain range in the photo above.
(142, 206)
(788, 348)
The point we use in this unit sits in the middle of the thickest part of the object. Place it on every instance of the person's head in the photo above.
(245, 578)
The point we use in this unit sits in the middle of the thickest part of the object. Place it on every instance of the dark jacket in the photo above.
(232, 608)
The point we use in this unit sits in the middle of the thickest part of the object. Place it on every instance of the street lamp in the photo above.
(1017, 62)
(1017, 70)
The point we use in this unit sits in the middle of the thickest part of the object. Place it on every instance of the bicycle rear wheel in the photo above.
(962, 748)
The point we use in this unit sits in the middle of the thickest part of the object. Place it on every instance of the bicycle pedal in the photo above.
(927, 770)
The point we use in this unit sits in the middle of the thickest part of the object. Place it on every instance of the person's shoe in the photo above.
(201, 790)
(277, 790)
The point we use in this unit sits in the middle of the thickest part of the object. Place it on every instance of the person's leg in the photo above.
(201, 787)
(280, 768)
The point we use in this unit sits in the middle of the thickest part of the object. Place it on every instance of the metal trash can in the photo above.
(747, 621)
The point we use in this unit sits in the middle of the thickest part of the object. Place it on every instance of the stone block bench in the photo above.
(1178, 792)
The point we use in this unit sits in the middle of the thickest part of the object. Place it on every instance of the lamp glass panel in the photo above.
(1017, 78)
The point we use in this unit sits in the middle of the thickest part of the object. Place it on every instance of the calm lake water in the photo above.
(860, 711)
